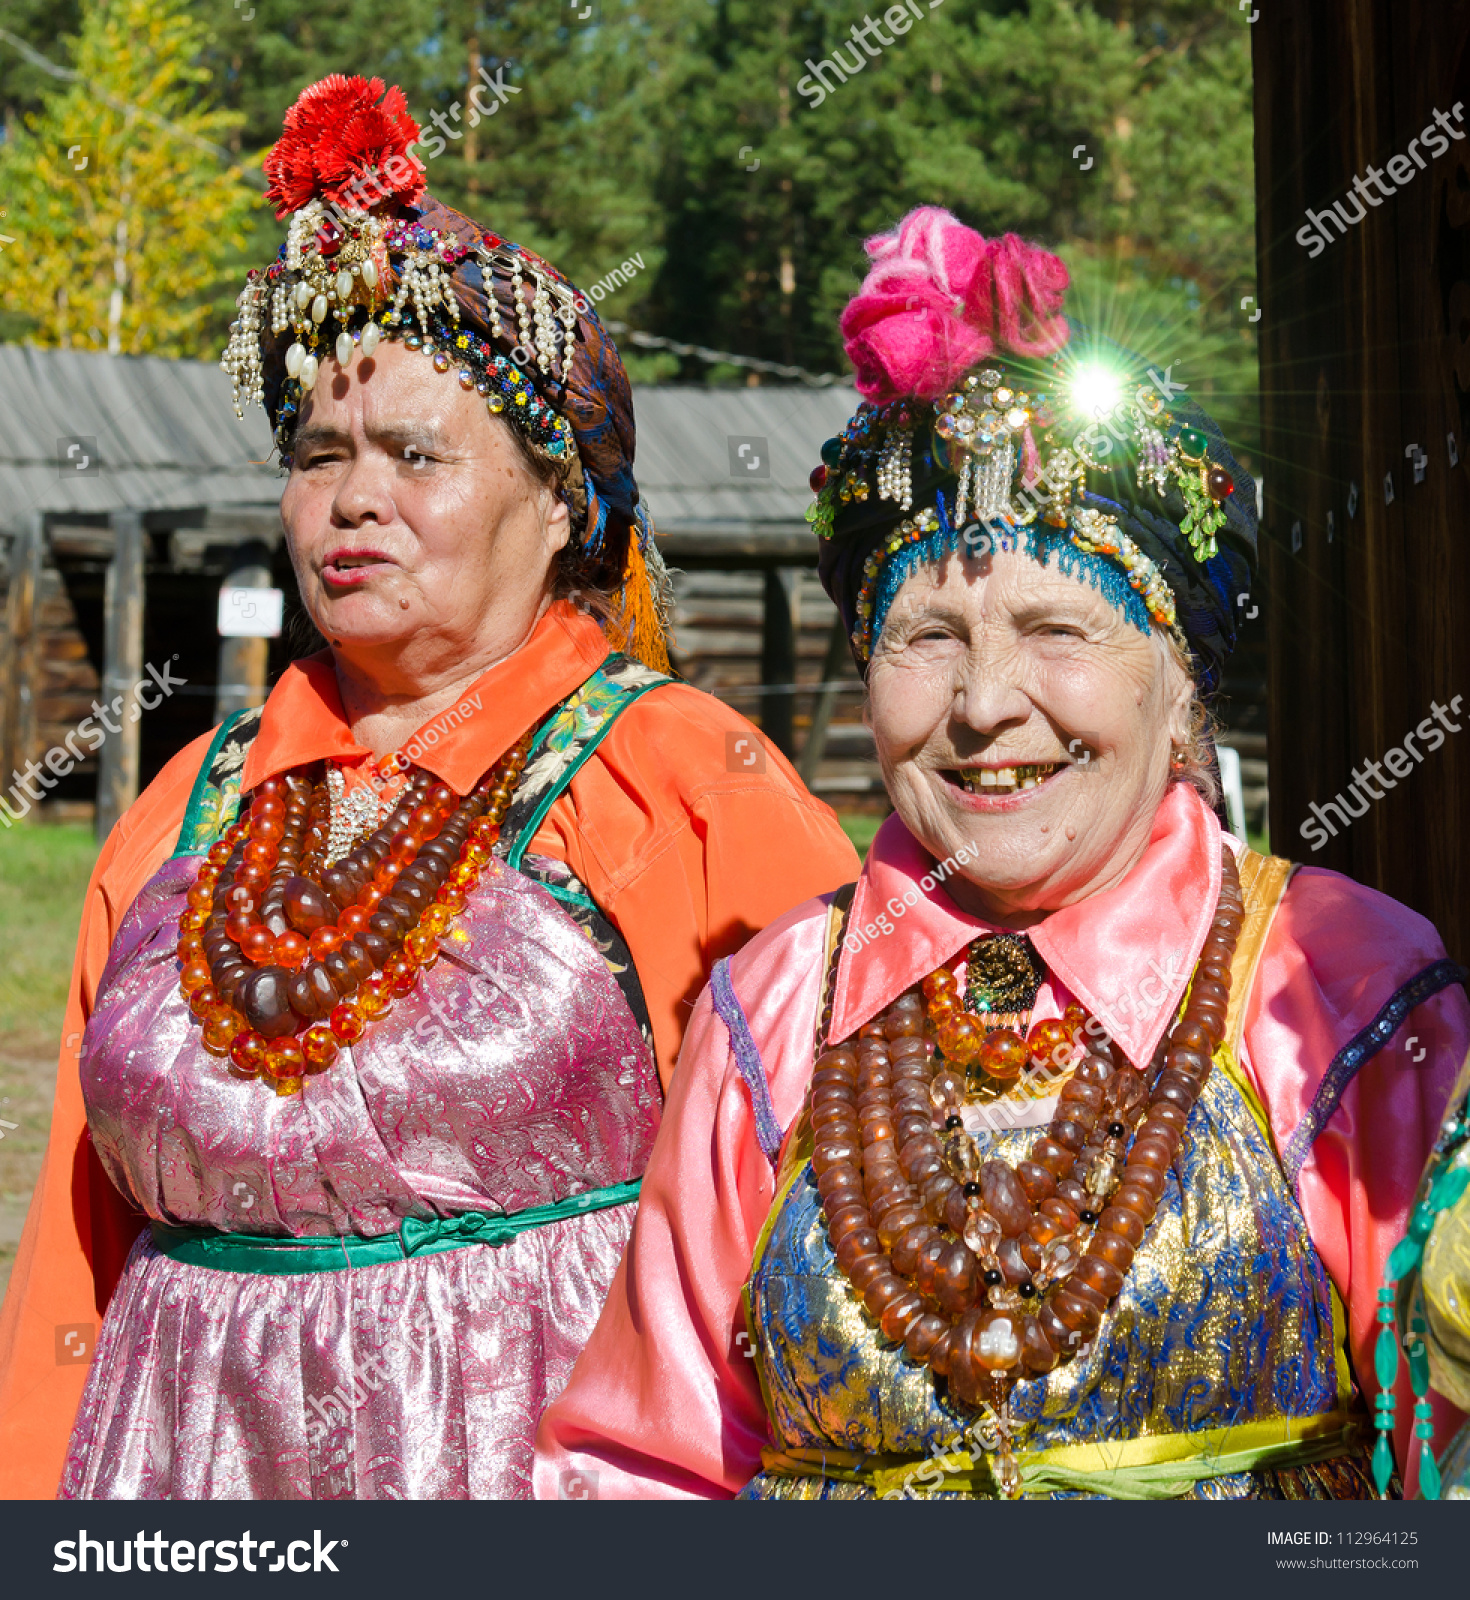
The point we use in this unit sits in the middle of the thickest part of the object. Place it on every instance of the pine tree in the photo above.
(123, 227)
(1119, 134)
(685, 131)
(566, 160)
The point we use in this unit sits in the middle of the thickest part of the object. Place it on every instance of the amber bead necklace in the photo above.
(288, 955)
(986, 1272)
(977, 1041)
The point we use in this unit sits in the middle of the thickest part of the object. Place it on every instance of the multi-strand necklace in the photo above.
(986, 1272)
(292, 943)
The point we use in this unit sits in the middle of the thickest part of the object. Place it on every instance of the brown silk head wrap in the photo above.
(593, 394)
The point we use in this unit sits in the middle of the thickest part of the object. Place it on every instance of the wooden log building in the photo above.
(129, 493)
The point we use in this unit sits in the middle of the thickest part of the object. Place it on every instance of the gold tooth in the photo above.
(1023, 773)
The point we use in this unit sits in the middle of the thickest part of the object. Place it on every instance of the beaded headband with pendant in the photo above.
(984, 433)
(994, 421)
(335, 270)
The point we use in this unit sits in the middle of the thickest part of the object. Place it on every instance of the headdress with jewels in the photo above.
(992, 421)
(370, 255)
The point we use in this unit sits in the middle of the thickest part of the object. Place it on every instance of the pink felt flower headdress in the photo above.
(939, 298)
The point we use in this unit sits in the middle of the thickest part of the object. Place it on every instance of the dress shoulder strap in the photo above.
(214, 801)
(565, 741)
(1263, 881)
(797, 1142)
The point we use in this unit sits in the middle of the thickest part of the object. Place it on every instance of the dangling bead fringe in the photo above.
(1443, 1192)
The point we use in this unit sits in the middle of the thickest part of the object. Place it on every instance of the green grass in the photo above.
(43, 879)
(860, 828)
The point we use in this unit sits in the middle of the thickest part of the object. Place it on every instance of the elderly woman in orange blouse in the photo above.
(381, 983)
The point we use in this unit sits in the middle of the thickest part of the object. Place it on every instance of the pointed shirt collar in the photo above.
(304, 720)
(1126, 954)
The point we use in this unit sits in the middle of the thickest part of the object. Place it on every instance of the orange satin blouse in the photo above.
(688, 850)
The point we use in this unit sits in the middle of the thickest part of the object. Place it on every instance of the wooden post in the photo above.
(18, 688)
(816, 740)
(117, 778)
(242, 662)
(778, 662)
(1365, 390)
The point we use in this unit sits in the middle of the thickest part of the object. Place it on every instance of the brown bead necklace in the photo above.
(986, 1272)
(286, 958)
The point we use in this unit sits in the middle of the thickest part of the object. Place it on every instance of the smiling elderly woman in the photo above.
(379, 983)
(1109, 1121)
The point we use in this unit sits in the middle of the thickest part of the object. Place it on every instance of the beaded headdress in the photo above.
(335, 270)
(370, 255)
(991, 422)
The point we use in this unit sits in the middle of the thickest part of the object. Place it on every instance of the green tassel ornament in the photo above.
(1443, 1191)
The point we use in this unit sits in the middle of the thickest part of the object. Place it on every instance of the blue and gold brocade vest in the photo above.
(1219, 1372)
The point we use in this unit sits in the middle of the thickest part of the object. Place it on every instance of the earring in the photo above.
(1177, 760)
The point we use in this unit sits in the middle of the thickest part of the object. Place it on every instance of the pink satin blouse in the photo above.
(665, 1402)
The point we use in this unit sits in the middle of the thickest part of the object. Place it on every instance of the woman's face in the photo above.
(419, 538)
(1019, 716)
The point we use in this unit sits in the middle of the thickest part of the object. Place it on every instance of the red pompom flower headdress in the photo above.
(338, 131)
(359, 257)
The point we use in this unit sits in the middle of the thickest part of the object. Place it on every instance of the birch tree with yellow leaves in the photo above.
(123, 210)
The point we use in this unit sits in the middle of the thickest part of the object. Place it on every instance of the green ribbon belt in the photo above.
(1153, 1467)
(276, 1256)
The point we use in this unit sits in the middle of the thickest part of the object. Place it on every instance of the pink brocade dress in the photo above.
(515, 1075)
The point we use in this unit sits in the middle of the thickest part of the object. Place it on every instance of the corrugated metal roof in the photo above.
(690, 473)
(166, 436)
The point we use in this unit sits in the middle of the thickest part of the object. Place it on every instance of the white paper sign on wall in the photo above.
(251, 613)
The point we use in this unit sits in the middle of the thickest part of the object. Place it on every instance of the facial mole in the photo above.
(1071, 832)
